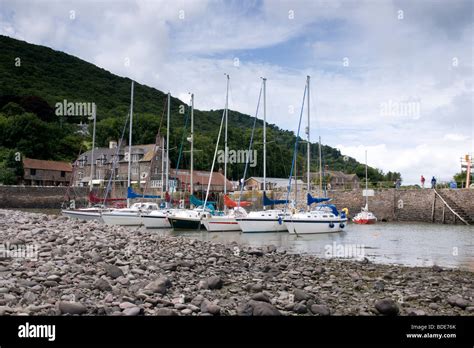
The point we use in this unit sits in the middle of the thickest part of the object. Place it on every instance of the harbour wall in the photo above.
(40, 197)
(392, 204)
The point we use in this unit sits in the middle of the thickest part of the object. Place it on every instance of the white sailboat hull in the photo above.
(123, 219)
(82, 215)
(299, 226)
(156, 221)
(261, 225)
(221, 223)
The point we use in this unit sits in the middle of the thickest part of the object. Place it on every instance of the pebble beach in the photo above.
(88, 268)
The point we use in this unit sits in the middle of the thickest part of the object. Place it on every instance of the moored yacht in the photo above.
(224, 222)
(188, 219)
(325, 218)
(365, 217)
(92, 213)
(263, 221)
(158, 218)
(129, 216)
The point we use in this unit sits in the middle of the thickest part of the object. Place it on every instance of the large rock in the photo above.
(131, 311)
(71, 308)
(458, 301)
(214, 282)
(159, 285)
(209, 307)
(113, 271)
(318, 309)
(300, 308)
(387, 306)
(165, 312)
(301, 295)
(257, 308)
(102, 285)
(260, 296)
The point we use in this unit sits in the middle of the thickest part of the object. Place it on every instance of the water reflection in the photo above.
(411, 244)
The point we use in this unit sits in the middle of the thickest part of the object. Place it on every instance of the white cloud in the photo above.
(389, 60)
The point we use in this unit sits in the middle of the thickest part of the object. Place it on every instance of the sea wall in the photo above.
(40, 197)
(394, 205)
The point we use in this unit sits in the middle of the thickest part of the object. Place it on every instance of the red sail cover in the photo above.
(94, 199)
(229, 203)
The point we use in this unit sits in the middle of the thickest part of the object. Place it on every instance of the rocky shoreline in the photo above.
(88, 268)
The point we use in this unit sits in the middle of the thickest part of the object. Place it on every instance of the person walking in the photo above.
(422, 181)
(398, 183)
(433, 182)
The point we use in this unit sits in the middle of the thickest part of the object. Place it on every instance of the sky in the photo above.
(394, 78)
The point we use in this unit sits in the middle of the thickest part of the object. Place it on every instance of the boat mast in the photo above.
(309, 143)
(162, 165)
(225, 134)
(264, 135)
(320, 169)
(192, 144)
(167, 142)
(94, 114)
(366, 183)
(130, 145)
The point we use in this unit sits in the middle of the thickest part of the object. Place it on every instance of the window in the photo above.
(32, 171)
(156, 170)
(63, 174)
(135, 170)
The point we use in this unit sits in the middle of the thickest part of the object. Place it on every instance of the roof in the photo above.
(201, 177)
(31, 163)
(276, 181)
(146, 150)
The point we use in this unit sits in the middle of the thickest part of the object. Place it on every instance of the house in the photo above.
(46, 173)
(182, 178)
(147, 169)
(256, 183)
(337, 179)
(146, 165)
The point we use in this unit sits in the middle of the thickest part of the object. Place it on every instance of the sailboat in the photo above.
(365, 217)
(94, 212)
(131, 215)
(264, 220)
(223, 221)
(325, 217)
(189, 218)
(159, 218)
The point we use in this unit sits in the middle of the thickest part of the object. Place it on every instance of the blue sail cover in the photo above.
(312, 199)
(131, 194)
(198, 203)
(332, 207)
(268, 201)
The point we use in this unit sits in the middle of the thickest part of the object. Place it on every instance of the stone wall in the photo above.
(394, 205)
(39, 197)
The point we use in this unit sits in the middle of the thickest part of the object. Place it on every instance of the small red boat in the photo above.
(365, 217)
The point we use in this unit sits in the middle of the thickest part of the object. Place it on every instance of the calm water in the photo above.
(411, 244)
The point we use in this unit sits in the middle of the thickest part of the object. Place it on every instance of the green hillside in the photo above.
(34, 78)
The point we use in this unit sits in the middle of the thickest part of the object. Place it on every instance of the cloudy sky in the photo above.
(392, 77)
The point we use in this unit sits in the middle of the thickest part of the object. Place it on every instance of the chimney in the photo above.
(112, 144)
